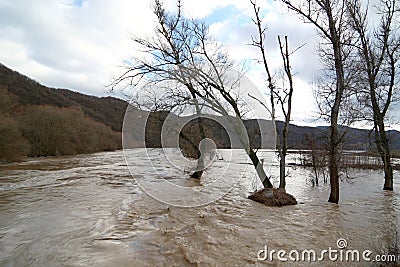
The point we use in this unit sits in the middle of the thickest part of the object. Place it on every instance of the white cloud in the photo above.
(200, 9)
(70, 46)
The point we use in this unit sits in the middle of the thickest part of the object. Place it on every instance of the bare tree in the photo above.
(283, 97)
(285, 101)
(379, 54)
(183, 53)
(170, 50)
(328, 17)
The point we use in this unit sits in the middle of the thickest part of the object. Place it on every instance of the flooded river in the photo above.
(88, 210)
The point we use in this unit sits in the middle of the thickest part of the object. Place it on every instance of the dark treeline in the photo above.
(299, 138)
(44, 130)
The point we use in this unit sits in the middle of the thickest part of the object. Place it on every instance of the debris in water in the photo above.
(273, 197)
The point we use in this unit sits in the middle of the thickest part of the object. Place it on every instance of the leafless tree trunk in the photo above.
(283, 97)
(286, 99)
(328, 17)
(379, 52)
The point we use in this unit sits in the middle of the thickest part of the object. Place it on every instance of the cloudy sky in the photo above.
(81, 44)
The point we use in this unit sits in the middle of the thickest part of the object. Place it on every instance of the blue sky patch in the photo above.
(78, 2)
(221, 14)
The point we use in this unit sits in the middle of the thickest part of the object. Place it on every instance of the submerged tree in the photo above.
(170, 51)
(328, 17)
(379, 54)
(182, 54)
(282, 97)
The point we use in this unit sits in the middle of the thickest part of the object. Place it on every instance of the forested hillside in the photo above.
(40, 121)
(108, 110)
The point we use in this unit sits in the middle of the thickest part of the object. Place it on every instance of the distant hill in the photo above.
(39, 121)
(110, 111)
(355, 139)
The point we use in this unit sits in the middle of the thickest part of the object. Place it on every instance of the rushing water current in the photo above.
(88, 210)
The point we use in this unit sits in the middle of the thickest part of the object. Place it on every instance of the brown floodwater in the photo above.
(88, 210)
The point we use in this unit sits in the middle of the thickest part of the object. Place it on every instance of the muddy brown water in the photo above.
(88, 210)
